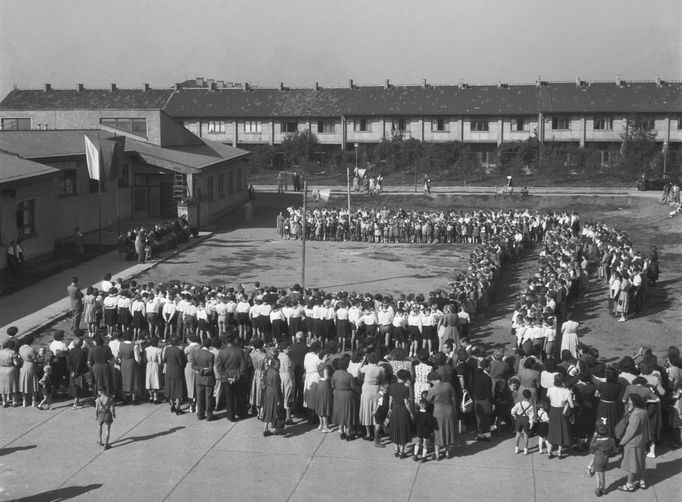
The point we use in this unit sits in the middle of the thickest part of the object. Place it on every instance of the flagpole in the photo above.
(99, 187)
(303, 231)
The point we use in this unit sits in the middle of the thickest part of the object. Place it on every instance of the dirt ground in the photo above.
(254, 253)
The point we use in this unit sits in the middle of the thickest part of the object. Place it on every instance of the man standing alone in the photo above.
(205, 380)
(76, 303)
(231, 366)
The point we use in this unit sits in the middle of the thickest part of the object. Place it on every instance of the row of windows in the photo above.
(67, 182)
(136, 126)
(234, 180)
(437, 125)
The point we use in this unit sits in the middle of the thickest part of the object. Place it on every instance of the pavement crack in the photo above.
(307, 466)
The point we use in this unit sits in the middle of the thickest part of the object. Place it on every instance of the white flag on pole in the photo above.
(361, 173)
(92, 156)
(324, 194)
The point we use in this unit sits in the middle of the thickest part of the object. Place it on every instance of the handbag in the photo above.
(467, 402)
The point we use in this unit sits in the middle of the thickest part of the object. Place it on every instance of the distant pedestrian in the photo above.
(140, 245)
(105, 412)
(510, 185)
(78, 244)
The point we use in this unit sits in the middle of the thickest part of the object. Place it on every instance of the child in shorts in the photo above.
(601, 447)
(46, 386)
(524, 416)
(542, 425)
(425, 424)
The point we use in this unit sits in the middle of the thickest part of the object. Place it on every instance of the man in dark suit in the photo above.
(231, 366)
(205, 380)
(76, 303)
(298, 351)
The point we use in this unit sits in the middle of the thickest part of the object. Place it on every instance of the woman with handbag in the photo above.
(561, 407)
(637, 435)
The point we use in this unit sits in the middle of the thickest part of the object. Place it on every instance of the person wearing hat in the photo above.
(12, 332)
(76, 303)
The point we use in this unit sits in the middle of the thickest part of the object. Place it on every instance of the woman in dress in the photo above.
(9, 374)
(99, 359)
(421, 375)
(559, 428)
(530, 379)
(637, 435)
(623, 306)
(311, 363)
(345, 411)
(259, 362)
(272, 397)
(442, 396)
(374, 377)
(90, 310)
(448, 326)
(609, 411)
(174, 360)
(400, 412)
(58, 362)
(324, 406)
(130, 358)
(190, 374)
(584, 425)
(28, 376)
(153, 369)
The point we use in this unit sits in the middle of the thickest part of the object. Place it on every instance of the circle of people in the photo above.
(411, 369)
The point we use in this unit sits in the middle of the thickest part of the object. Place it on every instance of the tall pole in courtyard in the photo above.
(303, 230)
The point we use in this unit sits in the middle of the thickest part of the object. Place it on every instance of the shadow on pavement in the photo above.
(12, 449)
(65, 493)
(134, 439)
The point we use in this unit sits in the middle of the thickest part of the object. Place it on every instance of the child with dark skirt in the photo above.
(601, 447)
(425, 425)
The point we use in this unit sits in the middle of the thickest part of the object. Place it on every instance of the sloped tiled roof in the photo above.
(15, 168)
(57, 143)
(644, 97)
(87, 99)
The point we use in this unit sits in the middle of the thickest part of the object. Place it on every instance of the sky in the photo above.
(300, 42)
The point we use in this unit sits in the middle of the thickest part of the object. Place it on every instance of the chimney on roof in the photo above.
(317, 86)
(113, 87)
(146, 87)
(424, 84)
(48, 87)
(387, 84)
(199, 81)
(350, 84)
(80, 87)
(178, 86)
(659, 81)
(619, 82)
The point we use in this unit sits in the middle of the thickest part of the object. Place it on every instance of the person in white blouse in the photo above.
(168, 313)
(414, 328)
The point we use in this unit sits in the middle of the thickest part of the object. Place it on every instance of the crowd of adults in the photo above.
(143, 244)
(403, 367)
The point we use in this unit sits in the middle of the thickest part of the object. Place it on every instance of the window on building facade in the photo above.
(399, 125)
(520, 125)
(230, 183)
(560, 124)
(440, 125)
(605, 158)
(679, 124)
(67, 183)
(221, 186)
(603, 124)
(216, 126)
(26, 218)
(252, 126)
(479, 126)
(648, 124)
(325, 127)
(10, 124)
(361, 125)
(135, 126)
(209, 189)
(289, 126)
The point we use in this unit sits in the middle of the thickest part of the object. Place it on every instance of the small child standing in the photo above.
(502, 405)
(524, 414)
(105, 412)
(426, 424)
(46, 386)
(542, 423)
(601, 447)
